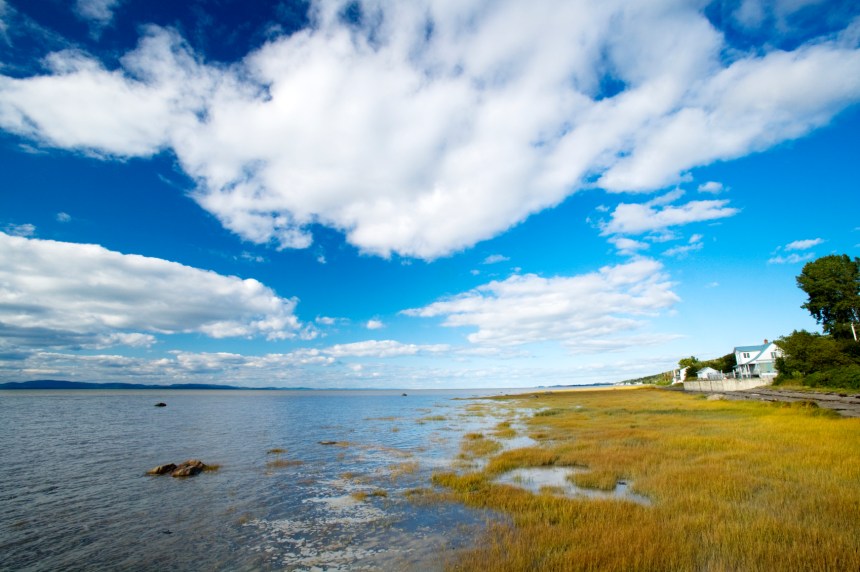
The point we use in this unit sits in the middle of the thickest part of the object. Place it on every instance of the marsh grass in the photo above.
(283, 463)
(402, 469)
(362, 496)
(734, 486)
(276, 451)
(599, 480)
(504, 430)
(211, 468)
(477, 445)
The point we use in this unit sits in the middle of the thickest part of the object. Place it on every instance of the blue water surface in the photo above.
(74, 494)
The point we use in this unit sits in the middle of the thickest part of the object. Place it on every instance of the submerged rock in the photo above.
(189, 468)
(162, 469)
(161, 404)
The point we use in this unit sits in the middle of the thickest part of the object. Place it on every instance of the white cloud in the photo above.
(23, 230)
(628, 246)
(444, 139)
(312, 368)
(712, 187)
(791, 258)
(381, 349)
(99, 11)
(495, 259)
(529, 308)
(63, 217)
(58, 294)
(374, 324)
(694, 244)
(634, 218)
(755, 13)
(4, 27)
(803, 244)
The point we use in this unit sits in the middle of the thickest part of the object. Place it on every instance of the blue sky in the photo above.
(423, 194)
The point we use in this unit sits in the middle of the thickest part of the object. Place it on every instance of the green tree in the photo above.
(832, 284)
(691, 362)
(818, 360)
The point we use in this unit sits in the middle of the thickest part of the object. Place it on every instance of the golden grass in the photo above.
(362, 496)
(476, 445)
(504, 430)
(401, 469)
(283, 463)
(734, 486)
(276, 451)
(600, 480)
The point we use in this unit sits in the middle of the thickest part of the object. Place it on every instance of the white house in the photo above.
(709, 373)
(757, 361)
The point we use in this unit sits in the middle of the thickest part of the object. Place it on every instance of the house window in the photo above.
(746, 355)
(773, 355)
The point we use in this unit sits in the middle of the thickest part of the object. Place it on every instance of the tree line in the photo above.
(832, 286)
(832, 358)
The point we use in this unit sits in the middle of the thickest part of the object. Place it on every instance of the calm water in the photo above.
(74, 494)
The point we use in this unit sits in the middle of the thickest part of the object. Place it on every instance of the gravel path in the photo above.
(846, 404)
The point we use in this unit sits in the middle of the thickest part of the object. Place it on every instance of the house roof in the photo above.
(758, 348)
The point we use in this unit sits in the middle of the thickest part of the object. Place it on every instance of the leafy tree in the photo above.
(724, 364)
(806, 353)
(691, 362)
(832, 284)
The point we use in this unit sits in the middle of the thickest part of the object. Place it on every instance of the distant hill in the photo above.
(59, 384)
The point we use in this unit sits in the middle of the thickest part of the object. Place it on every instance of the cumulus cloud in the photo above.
(98, 11)
(382, 349)
(63, 217)
(374, 324)
(428, 126)
(20, 229)
(312, 368)
(693, 244)
(57, 294)
(574, 310)
(791, 258)
(628, 246)
(495, 259)
(803, 244)
(635, 218)
(712, 187)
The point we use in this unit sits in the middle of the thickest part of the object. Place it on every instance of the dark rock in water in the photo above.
(161, 404)
(162, 469)
(328, 442)
(403, 395)
(188, 468)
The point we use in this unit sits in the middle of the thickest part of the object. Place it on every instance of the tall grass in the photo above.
(734, 485)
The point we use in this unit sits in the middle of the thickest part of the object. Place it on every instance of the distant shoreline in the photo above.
(60, 384)
(48, 384)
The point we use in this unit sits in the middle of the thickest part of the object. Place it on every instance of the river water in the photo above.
(74, 494)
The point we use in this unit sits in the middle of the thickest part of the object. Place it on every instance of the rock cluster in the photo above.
(189, 468)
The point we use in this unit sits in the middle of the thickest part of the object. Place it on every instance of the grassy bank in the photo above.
(733, 486)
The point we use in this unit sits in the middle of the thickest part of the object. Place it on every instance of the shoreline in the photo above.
(775, 473)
